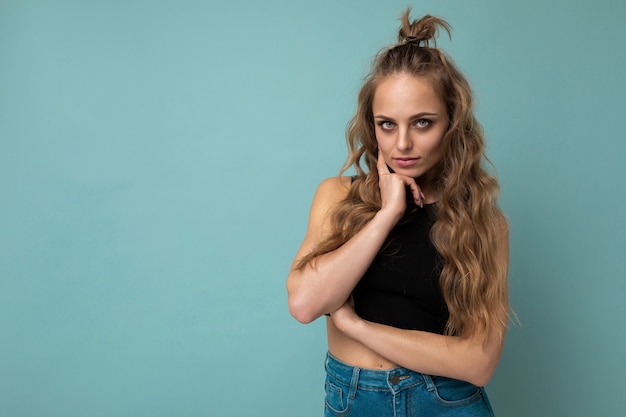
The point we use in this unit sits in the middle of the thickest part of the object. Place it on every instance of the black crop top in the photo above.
(401, 287)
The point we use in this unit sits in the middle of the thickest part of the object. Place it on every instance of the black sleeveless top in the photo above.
(401, 287)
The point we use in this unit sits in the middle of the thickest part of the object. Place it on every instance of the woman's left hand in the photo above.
(345, 317)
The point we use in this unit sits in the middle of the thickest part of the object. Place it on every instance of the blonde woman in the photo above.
(408, 259)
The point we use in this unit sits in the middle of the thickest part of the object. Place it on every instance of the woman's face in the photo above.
(410, 122)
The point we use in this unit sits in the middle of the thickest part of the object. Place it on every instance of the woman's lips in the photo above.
(405, 162)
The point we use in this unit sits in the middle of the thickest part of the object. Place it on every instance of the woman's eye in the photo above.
(423, 123)
(386, 125)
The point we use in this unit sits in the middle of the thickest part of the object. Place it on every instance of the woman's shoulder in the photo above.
(335, 185)
(330, 191)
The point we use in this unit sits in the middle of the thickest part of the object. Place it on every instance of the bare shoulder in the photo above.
(329, 193)
(333, 189)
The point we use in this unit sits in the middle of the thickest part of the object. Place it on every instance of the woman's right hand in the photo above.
(393, 189)
(314, 291)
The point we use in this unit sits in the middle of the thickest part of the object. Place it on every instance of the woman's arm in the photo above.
(314, 291)
(471, 359)
(467, 359)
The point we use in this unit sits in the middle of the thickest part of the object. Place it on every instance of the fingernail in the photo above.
(422, 195)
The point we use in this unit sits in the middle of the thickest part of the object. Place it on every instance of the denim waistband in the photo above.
(395, 379)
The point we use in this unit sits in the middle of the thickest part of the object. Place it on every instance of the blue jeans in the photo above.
(398, 392)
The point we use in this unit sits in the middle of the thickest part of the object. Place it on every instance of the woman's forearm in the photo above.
(469, 359)
(324, 286)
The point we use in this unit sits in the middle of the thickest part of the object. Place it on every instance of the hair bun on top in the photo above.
(421, 31)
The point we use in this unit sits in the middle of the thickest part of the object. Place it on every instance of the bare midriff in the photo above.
(352, 352)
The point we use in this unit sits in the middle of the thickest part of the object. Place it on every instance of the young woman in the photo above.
(408, 259)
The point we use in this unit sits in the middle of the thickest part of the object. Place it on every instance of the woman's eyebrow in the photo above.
(415, 116)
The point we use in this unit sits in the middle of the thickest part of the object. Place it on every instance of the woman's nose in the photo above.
(404, 140)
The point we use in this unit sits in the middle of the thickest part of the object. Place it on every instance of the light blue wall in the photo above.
(157, 162)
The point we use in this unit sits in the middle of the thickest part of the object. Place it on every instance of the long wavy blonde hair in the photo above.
(469, 224)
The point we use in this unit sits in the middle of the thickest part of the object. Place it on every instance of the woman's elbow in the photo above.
(481, 378)
(482, 372)
(301, 314)
(300, 310)
(484, 359)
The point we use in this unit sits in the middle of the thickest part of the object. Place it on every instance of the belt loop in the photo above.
(354, 384)
(430, 384)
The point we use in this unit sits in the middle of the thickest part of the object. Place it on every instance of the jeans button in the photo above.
(395, 379)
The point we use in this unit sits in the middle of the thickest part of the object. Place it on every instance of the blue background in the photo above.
(157, 163)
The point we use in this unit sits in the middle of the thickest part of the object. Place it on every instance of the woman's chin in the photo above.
(409, 172)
